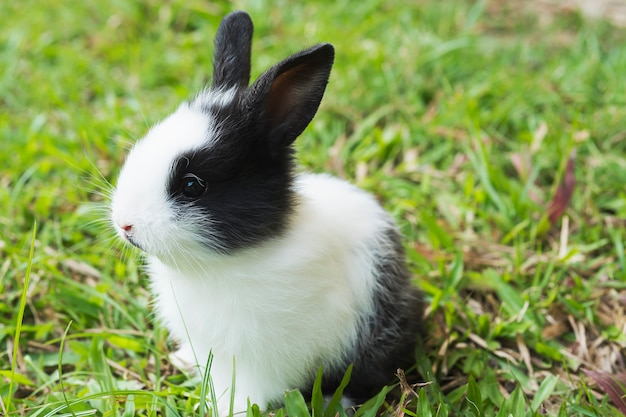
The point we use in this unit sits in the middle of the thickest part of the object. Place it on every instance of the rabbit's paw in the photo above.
(184, 359)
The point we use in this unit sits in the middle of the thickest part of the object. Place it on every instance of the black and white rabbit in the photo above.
(281, 272)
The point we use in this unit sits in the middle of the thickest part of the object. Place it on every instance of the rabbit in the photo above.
(273, 272)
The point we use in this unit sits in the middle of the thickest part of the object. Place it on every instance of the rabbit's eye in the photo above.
(193, 186)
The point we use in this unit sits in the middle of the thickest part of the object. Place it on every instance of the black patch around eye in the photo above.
(187, 179)
(196, 173)
(245, 192)
(193, 186)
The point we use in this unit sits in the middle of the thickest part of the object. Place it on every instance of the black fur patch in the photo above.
(231, 62)
(387, 339)
(249, 197)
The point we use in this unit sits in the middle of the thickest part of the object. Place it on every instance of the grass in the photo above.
(460, 116)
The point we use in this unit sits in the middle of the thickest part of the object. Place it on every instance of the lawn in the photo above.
(494, 132)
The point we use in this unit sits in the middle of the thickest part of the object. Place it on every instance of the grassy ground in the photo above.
(460, 116)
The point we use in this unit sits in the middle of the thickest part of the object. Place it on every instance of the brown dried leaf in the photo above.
(564, 192)
(554, 330)
(614, 386)
(525, 354)
(81, 268)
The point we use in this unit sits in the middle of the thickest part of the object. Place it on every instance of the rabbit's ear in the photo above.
(231, 60)
(289, 93)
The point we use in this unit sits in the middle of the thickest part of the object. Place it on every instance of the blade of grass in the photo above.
(543, 393)
(20, 316)
(207, 384)
(295, 404)
(478, 158)
(371, 407)
(474, 396)
(335, 400)
(317, 397)
(424, 409)
(232, 389)
(253, 410)
(619, 249)
(101, 370)
(129, 409)
(60, 368)
(78, 414)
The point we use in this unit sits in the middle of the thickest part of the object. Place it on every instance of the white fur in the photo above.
(281, 309)
(214, 98)
(140, 198)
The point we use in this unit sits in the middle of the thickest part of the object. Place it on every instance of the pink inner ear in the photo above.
(287, 91)
(291, 92)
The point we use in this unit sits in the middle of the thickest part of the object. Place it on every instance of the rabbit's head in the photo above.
(216, 175)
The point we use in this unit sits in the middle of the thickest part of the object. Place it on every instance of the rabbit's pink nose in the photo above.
(127, 228)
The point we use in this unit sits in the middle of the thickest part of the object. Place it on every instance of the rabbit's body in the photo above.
(280, 273)
(287, 307)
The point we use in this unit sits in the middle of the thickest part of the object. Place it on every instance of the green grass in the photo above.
(459, 116)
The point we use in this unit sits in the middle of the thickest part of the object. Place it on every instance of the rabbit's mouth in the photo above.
(127, 233)
(133, 242)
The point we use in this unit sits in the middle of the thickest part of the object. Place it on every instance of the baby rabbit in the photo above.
(275, 273)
